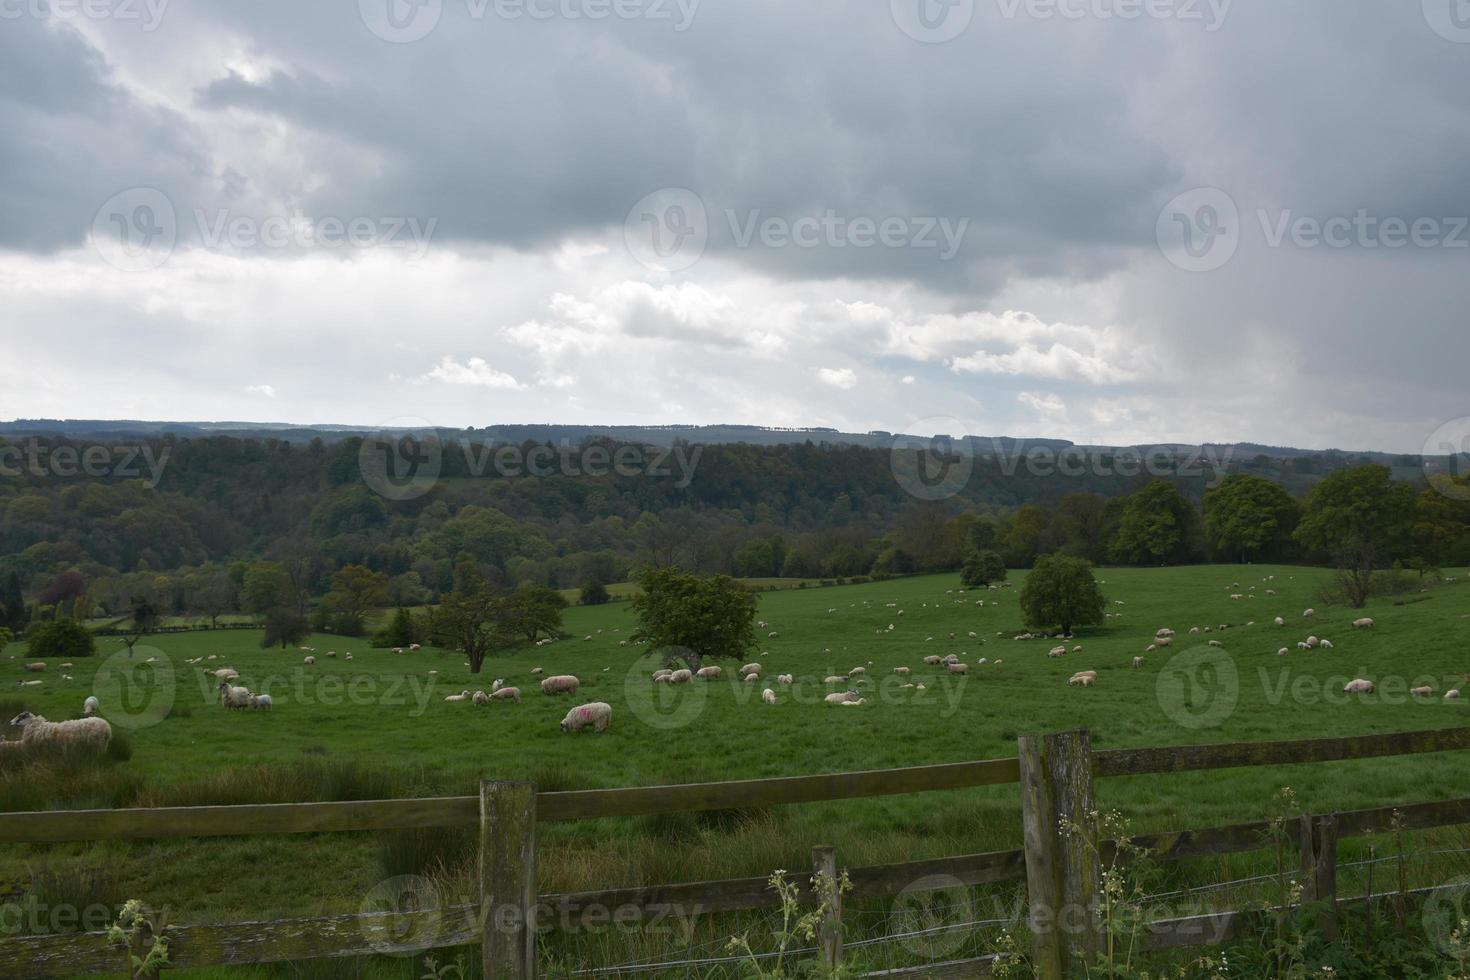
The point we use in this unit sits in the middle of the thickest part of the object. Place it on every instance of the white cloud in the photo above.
(1049, 407)
(844, 378)
(476, 371)
(268, 391)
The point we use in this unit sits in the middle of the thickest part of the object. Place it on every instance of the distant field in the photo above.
(385, 712)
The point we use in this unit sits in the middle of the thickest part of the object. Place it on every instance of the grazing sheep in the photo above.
(233, 697)
(1164, 641)
(1282, 652)
(1358, 686)
(308, 660)
(786, 679)
(1138, 661)
(1366, 623)
(567, 684)
(933, 659)
(481, 698)
(89, 708)
(768, 696)
(857, 672)
(261, 702)
(506, 694)
(1312, 642)
(332, 653)
(461, 696)
(92, 734)
(901, 671)
(709, 673)
(1279, 621)
(1164, 631)
(662, 675)
(597, 716)
(677, 677)
(1059, 651)
(1326, 644)
(835, 679)
(959, 668)
(1452, 695)
(1308, 613)
(1217, 644)
(535, 671)
(750, 669)
(1422, 692)
(35, 668)
(752, 678)
(347, 657)
(840, 697)
(1085, 678)
(855, 702)
(225, 674)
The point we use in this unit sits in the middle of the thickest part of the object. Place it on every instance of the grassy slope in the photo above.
(736, 736)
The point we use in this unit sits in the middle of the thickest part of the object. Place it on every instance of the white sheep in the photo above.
(857, 672)
(933, 660)
(768, 696)
(597, 716)
(1308, 613)
(233, 697)
(1059, 651)
(308, 660)
(1452, 695)
(750, 669)
(1083, 678)
(1164, 641)
(1358, 686)
(1366, 623)
(840, 697)
(481, 698)
(1422, 692)
(506, 694)
(1326, 644)
(35, 668)
(901, 671)
(786, 679)
(261, 702)
(92, 734)
(677, 677)
(1282, 652)
(1279, 621)
(1217, 644)
(752, 678)
(959, 668)
(662, 674)
(567, 683)
(1138, 661)
(461, 696)
(709, 673)
(855, 702)
(89, 708)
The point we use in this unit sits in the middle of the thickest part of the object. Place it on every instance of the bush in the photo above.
(982, 568)
(63, 638)
(594, 593)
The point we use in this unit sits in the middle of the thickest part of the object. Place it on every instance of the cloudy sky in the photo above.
(1103, 220)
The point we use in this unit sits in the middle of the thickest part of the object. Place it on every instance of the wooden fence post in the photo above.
(508, 879)
(1319, 870)
(1063, 870)
(829, 936)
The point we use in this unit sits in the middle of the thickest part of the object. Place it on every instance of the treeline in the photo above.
(255, 524)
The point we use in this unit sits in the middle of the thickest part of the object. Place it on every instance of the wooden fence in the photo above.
(1062, 871)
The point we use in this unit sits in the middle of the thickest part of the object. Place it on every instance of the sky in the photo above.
(1111, 221)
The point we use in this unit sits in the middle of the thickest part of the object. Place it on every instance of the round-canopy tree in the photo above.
(1061, 590)
(700, 617)
(982, 568)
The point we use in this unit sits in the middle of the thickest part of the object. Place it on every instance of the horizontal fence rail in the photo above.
(1065, 762)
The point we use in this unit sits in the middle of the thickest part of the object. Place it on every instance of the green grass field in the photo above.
(379, 726)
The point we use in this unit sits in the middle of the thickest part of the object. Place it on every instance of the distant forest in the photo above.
(225, 505)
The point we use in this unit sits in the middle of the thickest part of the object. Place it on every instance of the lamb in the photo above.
(461, 696)
(677, 677)
(1327, 644)
(709, 673)
(857, 672)
(841, 697)
(89, 708)
(506, 694)
(92, 734)
(261, 702)
(1282, 652)
(1422, 692)
(535, 671)
(1452, 695)
(1279, 621)
(1366, 623)
(1164, 631)
(1217, 644)
(750, 669)
(786, 679)
(854, 702)
(1358, 686)
(752, 678)
(308, 660)
(233, 697)
(768, 696)
(481, 698)
(597, 716)
(1138, 661)
(1058, 651)
(1308, 613)
(663, 674)
(567, 684)
(835, 679)
(901, 671)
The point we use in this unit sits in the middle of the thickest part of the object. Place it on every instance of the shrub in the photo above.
(594, 593)
(62, 638)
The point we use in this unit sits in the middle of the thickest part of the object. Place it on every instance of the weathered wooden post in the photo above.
(1063, 870)
(508, 879)
(1319, 870)
(829, 935)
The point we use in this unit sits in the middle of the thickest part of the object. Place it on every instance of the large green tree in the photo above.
(1155, 526)
(531, 612)
(982, 568)
(1062, 591)
(1362, 519)
(701, 617)
(1248, 517)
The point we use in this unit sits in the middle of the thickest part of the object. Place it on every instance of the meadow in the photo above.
(379, 726)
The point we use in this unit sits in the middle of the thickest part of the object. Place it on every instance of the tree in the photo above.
(399, 632)
(1061, 590)
(286, 626)
(1246, 516)
(68, 587)
(62, 637)
(1155, 526)
(982, 568)
(594, 593)
(265, 587)
(1020, 540)
(699, 617)
(145, 619)
(531, 611)
(214, 595)
(5, 637)
(1362, 520)
(469, 618)
(13, 611)
(356, 591)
